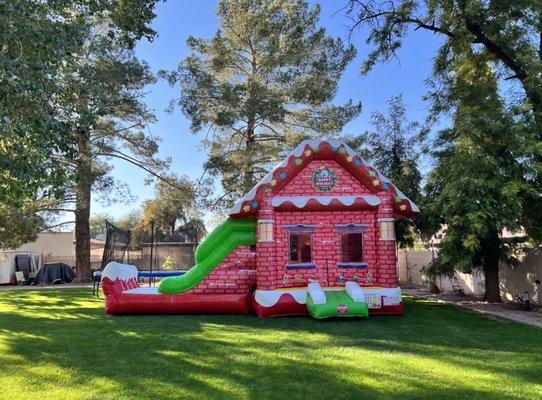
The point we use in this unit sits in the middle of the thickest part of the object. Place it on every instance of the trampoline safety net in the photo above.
(117, 244)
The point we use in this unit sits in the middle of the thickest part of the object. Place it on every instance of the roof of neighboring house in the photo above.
(301, 156)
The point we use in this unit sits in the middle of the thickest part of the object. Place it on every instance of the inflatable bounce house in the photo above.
(315, 236)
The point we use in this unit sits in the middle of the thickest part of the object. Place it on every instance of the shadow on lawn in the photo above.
(233, 356)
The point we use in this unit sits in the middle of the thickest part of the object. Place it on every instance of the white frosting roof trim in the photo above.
(297, 152)
(301, 201)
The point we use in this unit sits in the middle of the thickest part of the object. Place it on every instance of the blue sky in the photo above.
(177, 19)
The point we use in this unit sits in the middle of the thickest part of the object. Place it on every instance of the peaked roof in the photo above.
(301, 156)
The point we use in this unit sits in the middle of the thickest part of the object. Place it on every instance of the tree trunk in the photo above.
(82, 208)
(491, 275)
(250, 138)
(250, 142)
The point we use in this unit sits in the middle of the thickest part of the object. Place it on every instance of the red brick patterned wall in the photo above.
(301, 185)
(237, 274)
(326, 248)
(380, 256)
(386, 250)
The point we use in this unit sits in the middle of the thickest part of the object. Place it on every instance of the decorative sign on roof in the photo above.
(324, 179)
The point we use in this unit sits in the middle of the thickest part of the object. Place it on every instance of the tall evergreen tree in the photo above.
(102, 105)
(509, 36)
(477, 188)
(264, 82)
(36, 39)
(394, 147)
(510, 32)
(39, 42)
(490, 174)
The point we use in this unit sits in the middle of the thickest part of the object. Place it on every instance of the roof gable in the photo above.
(304, 154)
(302, 184)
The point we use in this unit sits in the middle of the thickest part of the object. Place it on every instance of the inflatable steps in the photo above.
(336, 303)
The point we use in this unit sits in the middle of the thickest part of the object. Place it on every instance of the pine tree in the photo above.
(64, 87)
(477, 188)
(263, 83)
(509, 32)
(394, 148)
(101, 104)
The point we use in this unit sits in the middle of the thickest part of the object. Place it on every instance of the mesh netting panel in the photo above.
(116, 244)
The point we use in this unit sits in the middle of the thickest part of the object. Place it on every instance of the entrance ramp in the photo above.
(336, 303)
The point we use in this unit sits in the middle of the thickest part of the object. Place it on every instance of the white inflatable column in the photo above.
(317, 293)
(355, 292)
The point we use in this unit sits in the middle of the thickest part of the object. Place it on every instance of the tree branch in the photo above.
(430, 27)
(143, 167)
(495, 49)
(219, 199)
(57, 225)
(58, 209)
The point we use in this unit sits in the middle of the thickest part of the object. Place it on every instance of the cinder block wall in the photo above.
(513, 281)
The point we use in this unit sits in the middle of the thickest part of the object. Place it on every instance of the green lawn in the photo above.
(58, 344)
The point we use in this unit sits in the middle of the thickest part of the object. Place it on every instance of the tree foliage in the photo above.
(172, 205)
(489, 163)
(509, 32)
(62, 66)
(103, 108)
(97, 224)
(264, 82)
(130, 220)
(478, 187)
(18, 225)
(36, 38)
(394, 147)
(75, 93)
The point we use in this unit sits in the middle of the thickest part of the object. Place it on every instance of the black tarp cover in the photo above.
(52, 273)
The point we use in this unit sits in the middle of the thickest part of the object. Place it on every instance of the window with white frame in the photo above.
(387, 228)
(265, 230)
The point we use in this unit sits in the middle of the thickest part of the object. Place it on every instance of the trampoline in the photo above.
(158, 274)
(116, 248)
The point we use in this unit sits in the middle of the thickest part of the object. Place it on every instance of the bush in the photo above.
(170, 264)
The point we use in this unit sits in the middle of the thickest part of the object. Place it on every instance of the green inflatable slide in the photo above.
(211, 252)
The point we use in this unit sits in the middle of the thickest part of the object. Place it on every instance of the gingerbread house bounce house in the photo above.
(315, 236)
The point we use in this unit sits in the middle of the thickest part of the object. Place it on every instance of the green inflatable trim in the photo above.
(211, 252)
(338, 304)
